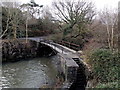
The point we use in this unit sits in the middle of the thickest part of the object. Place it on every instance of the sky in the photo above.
(100, 4)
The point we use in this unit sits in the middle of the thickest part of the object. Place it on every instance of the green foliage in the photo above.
(108, 85)
(42, 25)
(105, 65)
(56, 37)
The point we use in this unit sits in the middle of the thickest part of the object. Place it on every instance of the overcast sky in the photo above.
(98, 3)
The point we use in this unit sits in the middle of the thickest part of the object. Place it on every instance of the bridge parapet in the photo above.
(69, 68)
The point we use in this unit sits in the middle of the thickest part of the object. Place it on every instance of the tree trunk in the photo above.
(108, 32)
(15, 32)
(27, 30)
(7, 26)
(112, 38)
(119, 27)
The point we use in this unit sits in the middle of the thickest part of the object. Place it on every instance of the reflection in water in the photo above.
(33, 73)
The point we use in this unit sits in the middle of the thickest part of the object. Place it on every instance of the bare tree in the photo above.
(26, 7)
(17, 17)
(30, 10)
(73, 13)
(7, 7)
(119, 26)
(13, 12)
(7, 24)
(109, 18)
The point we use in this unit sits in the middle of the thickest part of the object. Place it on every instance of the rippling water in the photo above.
(33, 73)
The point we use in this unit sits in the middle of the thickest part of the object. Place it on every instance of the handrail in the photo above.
(69, 44)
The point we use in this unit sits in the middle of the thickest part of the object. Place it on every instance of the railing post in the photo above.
(66, 72)
(62, 50)
(69, 44)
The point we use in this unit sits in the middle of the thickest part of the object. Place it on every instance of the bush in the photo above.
(108, 85)
(105, 65)
(55, 37)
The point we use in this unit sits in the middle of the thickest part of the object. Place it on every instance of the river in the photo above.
(34, 73)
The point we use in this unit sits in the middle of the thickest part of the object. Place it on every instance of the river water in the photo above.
(34, 73)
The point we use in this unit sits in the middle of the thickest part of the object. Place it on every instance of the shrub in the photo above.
(108, 85)
(105, 65)
(55, 37)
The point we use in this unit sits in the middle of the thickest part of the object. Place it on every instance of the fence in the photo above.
(70, 45)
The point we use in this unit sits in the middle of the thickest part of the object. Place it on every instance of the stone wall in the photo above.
(68, 70)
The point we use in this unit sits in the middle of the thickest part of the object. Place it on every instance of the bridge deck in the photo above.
(62, 49)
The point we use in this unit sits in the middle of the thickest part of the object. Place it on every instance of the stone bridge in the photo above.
(71, 65)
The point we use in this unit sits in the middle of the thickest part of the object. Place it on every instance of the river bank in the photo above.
(15, 50)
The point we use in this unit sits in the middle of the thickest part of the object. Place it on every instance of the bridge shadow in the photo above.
(45, 51)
